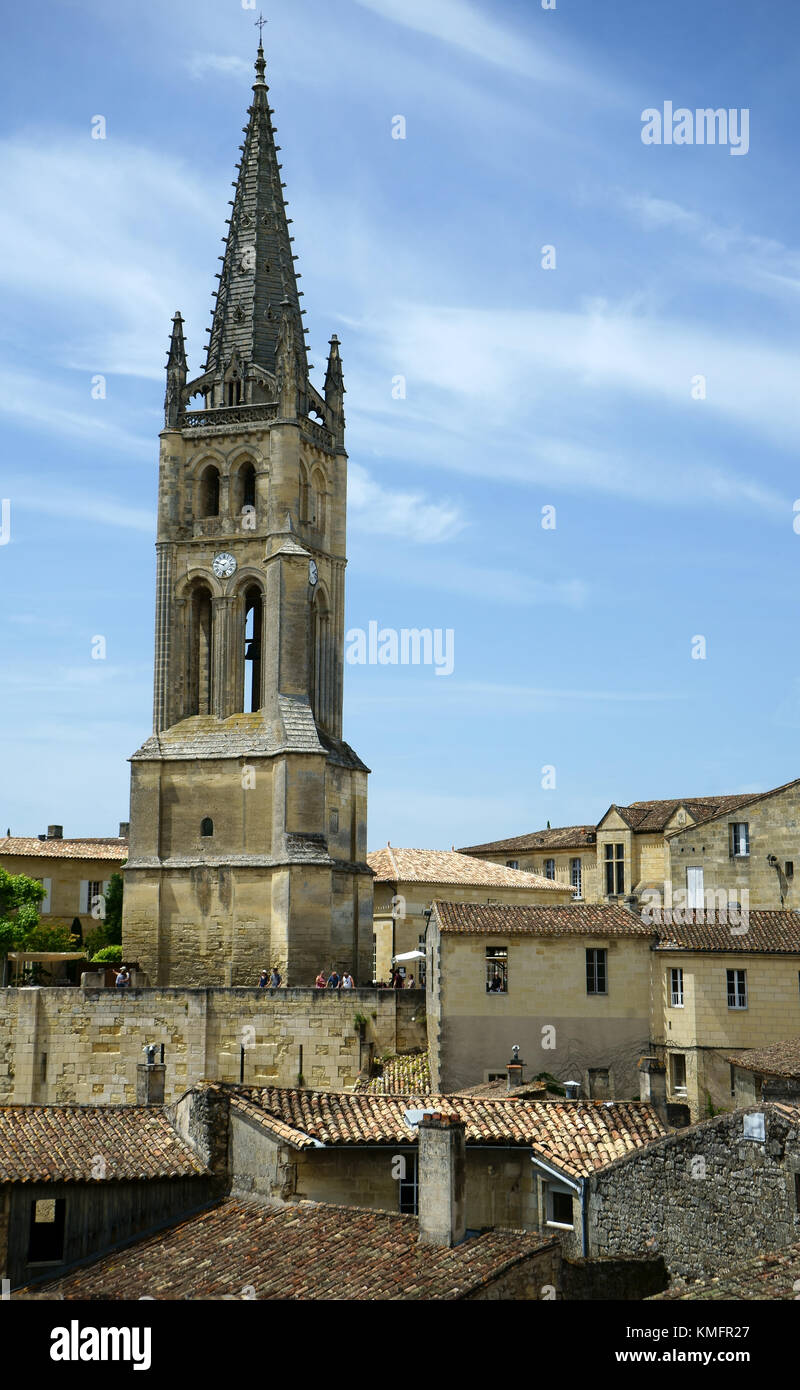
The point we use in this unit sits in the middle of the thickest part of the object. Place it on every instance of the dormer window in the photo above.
(207, 828)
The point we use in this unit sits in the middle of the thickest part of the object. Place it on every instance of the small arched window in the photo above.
(248, 481)
(209, 492)
(305, 495)
(318, 500)
(207, 827)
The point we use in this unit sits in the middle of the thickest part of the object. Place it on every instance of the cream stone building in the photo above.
(569, 984)
(248, 810)
(749, 845)
(408, 880)
(75, 873)
(721, 986)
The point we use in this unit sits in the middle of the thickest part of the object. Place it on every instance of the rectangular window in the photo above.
(47, 884)
(496, 970)
(89, 892)
(678, 1064)
(737, 989)
(549, 868)
(559, 1206)
(409, 1186)
(334, 822)
(596, 971)
(512, 863)
(421, 963)
(46, 1231)
(694, 889)
(576, 876)
(740, 839)
(733, 1080)
(615, 868)
(676, 988)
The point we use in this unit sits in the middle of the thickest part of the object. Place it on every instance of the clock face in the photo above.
(313, 573)
(224, 565)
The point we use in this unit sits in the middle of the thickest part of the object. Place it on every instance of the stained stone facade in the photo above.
(248, 811)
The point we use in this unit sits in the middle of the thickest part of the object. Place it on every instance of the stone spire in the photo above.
(335, 392)
(258, 276)
(176, 374)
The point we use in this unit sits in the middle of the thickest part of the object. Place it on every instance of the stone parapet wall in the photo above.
(82, 1046)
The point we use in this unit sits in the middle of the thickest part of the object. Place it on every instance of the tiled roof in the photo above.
(728, 804)
(767, 933)
(61, 1143)
(392, 865)
(564, 919)
(775, 1275)
(652, 817)
(498, 1090)
(111, 848)
(562, 837)
(304, 1251)
(404, 1074)
(578, 1136)
(780, 1059)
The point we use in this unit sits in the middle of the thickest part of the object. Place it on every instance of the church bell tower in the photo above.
(248, 812)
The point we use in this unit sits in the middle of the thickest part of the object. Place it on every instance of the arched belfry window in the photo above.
(207, 827)
(318, 500)
(253, 648)
(200, 652)
(320, 659)
(208, 493)
(247, 482)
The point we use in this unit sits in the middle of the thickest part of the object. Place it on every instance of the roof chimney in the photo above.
(442, 1180)
(150, 1077)
(653, 1085)
(124, 829)
(55, 832)
(516, 1069)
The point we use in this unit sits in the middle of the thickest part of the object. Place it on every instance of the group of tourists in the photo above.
(335, 980)
(269, 979)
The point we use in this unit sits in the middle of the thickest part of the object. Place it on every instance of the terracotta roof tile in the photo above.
(560, 837)
(304, 1251)
(61, 1143)
(404, 1074)
(111, 848)
(578, 1136)
(780, 1059)
(392, 865)
(775, 1275)
(766, 932)
(563, 919)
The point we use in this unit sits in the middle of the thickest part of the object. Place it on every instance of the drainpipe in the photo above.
(584, 1217)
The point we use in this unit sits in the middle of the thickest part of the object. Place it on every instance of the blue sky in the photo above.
(526, 387)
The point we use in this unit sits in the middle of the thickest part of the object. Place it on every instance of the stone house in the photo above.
(767, 1073)
(721, 987)
(705, 1197)
(75, 873)
(79, 1180)
(744, 854)
(288, 1146)
(566, 855)
(698, 847)
(408, 880)
(313, 1251)
(569, 984)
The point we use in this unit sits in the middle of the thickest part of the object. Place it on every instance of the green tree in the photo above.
(113, 917)
(20, 897)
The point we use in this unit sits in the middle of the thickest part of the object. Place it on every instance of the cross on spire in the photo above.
(260, 22)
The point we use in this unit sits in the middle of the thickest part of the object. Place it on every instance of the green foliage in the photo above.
(57, 937)
(550, 1082)
(112, 925)
(109, 955)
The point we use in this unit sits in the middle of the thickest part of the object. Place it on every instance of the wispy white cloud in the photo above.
(406, 515)
(466, 26)
(83, 506)
(226, 65)
(50, 407)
